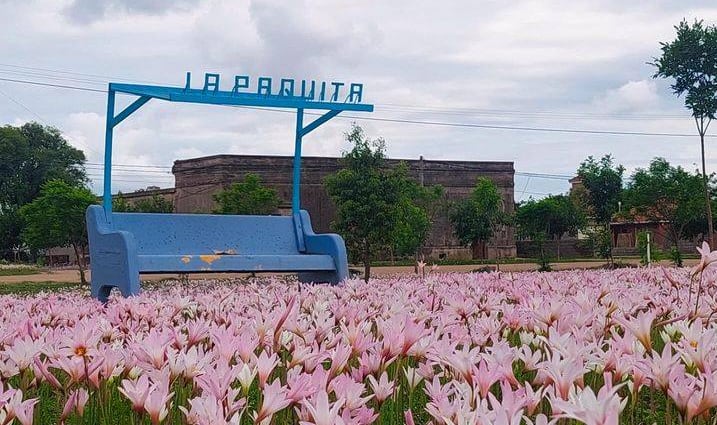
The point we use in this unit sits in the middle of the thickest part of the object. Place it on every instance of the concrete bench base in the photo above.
(130, 243)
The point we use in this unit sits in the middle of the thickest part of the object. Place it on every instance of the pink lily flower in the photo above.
(322, 412)
(136, 392)
(383, 388)
(274, 400)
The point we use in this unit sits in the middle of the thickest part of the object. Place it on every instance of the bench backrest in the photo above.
(201, 234)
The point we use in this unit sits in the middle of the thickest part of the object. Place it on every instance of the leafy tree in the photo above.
(10, 229)
(417, 209)
(549, 218)
(248, 197)
(57, 218)
(155, 204)
(602, 182)
(664, 193)
(476, 219)
(691, 62)
(121, 204)
(603, 185)
(599, 241)
(30, 156)
(372, 202)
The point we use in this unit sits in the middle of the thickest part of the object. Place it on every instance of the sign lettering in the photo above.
(334, 91)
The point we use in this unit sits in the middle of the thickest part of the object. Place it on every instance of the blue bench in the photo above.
(123, 245)
(134, 243)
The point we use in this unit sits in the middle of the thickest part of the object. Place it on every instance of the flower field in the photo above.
(632, 346)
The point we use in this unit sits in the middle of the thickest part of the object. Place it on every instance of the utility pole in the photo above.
(420, 169)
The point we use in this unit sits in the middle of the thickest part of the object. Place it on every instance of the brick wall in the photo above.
(196, 180)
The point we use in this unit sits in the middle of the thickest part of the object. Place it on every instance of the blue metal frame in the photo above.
(116, 248)
(211, 95)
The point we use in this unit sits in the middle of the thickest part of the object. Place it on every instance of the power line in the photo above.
(6, 72)
(60, 86)
(419, 122)
(17, 102)
(129, 165)
(490, 126)
(43, 120)
(553, 115)
(82, 74)
(520, 128)
(104, 79)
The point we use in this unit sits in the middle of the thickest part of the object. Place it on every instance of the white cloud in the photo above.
(633, 96)
(563, 56)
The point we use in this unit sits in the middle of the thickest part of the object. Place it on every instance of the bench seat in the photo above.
(124, 245)
(234, 263)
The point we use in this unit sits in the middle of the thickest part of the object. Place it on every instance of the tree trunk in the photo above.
(366, 263)
(79, 254)
(708, 204)
(478, 250)
(559, 239)
(678, 254)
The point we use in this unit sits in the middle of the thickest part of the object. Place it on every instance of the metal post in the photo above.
(296, 181)
(648, 249)
(109, 126)
(420, 168)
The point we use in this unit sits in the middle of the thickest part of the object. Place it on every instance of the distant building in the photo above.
(625, 228)
(196, 181)
(625, 231)
(133, 197)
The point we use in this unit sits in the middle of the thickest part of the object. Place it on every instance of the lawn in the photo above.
(32, 288)
(594, 347)
(18, 271)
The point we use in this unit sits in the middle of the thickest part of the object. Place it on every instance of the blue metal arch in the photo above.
(213, 96)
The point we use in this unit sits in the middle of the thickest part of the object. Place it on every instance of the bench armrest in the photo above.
(113, 256)
(327, 244)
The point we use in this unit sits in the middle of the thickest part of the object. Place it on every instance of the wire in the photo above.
(419, 122)
(45, 121)
(61, 86)
(17, 102)
(128, 165)
(104, 79)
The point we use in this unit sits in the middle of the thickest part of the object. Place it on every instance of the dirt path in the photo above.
(70, 276)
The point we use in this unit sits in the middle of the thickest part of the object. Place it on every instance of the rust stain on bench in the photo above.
(209, 259)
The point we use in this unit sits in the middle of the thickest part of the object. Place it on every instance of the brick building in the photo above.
(196, 180)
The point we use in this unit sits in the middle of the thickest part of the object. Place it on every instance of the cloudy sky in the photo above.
(537, 64)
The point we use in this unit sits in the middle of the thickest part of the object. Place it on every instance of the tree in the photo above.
(549, 218)
(602, 182)
(371, 200)
(57, 218)
(603, 185)
(121, 204)
(30, 156)
(691, 61)
(10, 229)
(664, 193)
(155, 204)
(417, 209)
(476, 219)
(248, 197)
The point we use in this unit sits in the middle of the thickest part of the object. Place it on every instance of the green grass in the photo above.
(459, 262)
(19, 271)
(516, 260)
(32, 288)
